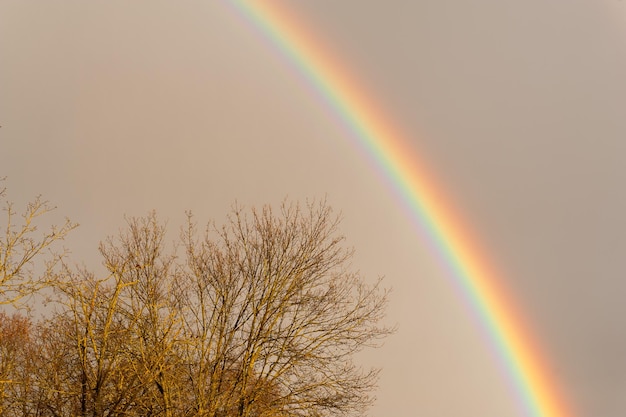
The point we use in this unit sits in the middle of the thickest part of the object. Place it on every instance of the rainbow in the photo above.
(421, 195)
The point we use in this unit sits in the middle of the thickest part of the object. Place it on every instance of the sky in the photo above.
(113, 109)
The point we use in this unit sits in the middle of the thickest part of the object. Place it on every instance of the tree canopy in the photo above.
(259, 317)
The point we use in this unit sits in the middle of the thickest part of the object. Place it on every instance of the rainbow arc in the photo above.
(462, 256)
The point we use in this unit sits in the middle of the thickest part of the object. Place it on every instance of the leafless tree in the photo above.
(139, 258)
(259, 318)
(22, 244)
(96, 354)
(275, 316)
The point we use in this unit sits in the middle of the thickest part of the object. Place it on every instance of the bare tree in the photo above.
(274, 316)
(112, 350)
(21, 244)
(259, 318)
(101, 347)
(139, 257)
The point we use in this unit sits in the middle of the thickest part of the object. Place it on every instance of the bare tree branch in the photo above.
(21, 245)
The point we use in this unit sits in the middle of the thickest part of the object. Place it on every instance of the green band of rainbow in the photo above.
(421, 194)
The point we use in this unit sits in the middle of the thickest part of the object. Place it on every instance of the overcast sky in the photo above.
(119, 107)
